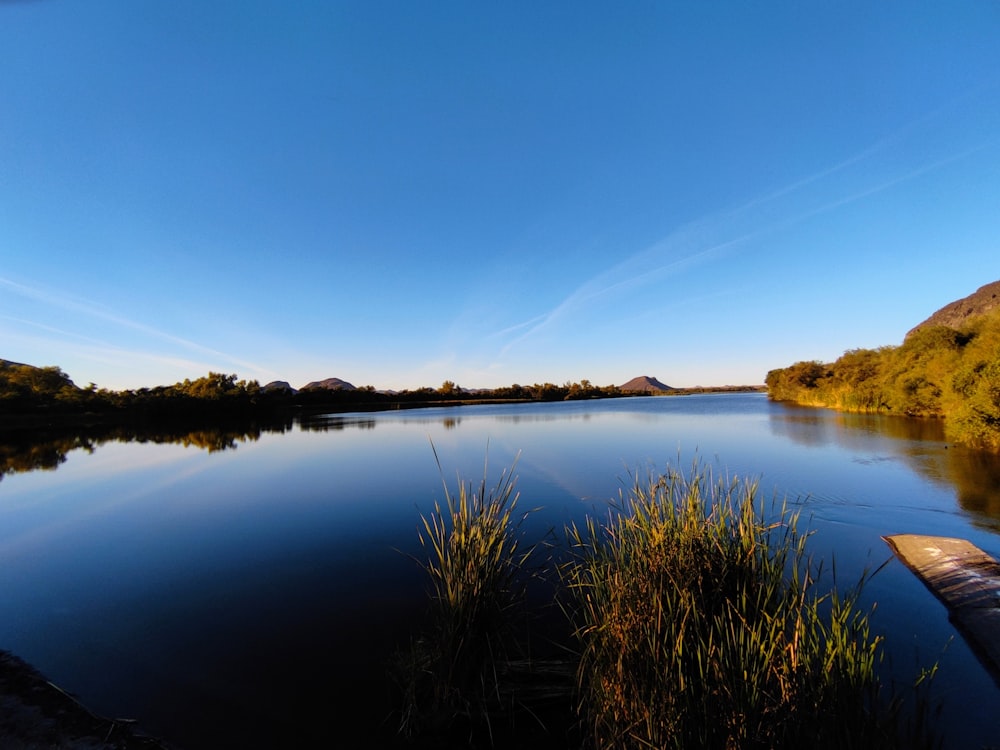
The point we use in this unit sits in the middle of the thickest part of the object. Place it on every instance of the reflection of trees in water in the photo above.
(976, 476)
(23, 451)
(815, 427)
(47, 448)
(29, 455)
(335, 423)
(901, 428)
(973, 475)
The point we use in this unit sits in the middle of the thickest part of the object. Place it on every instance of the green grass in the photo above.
(701, 623)
(696, 619)
(475, 566)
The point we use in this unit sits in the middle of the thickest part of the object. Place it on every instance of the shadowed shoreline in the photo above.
(35, 713)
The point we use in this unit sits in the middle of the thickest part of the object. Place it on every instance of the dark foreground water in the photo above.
(250, 596)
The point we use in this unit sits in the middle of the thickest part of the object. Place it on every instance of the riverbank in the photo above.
(35, 713)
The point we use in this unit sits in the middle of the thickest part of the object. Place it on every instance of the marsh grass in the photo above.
(452, 675)
(700, 623)
(694, 617)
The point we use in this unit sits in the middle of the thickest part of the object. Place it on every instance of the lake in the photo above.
(247, 590)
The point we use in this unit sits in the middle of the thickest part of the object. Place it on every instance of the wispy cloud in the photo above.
(95, 350)
(52, 329)
(892, 182)
(86, 307)
(711, 237)
(689, 246)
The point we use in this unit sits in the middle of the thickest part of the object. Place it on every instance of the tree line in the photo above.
(48, 391)
(938, 371)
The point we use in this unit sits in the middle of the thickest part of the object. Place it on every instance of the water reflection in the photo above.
(29, 453)
(816, 427)
(211, 595)
(334, 423)
(973, 475)
(976, 477)
(47, 449)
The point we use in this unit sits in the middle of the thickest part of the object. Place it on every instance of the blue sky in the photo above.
(400, 193)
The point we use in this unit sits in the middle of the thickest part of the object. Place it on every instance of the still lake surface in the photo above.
(250, 597)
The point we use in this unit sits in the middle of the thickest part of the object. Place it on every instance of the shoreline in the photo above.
(268, 413)
(37, 713)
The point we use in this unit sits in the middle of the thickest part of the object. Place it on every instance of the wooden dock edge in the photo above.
(966, 580)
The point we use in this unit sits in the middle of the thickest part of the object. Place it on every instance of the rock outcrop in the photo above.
(956, 314)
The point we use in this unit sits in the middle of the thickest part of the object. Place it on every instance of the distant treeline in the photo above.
(27, 391)
(937, 371)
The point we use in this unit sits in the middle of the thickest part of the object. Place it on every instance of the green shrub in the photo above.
(936, 372)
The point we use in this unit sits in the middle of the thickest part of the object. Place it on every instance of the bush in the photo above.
(936, 372)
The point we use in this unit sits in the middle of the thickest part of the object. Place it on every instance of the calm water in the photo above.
(250, 596)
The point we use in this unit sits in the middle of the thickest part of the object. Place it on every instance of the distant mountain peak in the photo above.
(330, 384)
(279, 385)
(956, 314)
(645, 383)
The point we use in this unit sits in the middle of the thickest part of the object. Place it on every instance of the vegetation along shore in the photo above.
(32, 396)
(947, 367)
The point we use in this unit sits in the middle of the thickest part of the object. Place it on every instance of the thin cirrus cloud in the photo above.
(101, 350)
(98, 350)
(706, 239)
(618, 280)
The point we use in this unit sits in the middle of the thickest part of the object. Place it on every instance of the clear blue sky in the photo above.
(399, 193)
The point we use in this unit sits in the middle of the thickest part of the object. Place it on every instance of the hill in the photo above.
(8, 363)
(330, 384)
(278, 386)
(645, 383)
(947, 367)
(960, 312)
(27, 383)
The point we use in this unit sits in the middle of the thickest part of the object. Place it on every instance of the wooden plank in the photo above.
(966, 580)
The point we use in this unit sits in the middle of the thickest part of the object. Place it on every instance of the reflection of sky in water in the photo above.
(215, 579)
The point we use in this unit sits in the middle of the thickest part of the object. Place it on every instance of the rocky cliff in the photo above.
(957, 313)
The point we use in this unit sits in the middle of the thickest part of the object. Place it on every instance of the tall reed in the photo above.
(474, 564)
(700, 624)
(698, 617)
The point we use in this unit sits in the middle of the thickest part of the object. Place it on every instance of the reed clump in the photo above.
(700, 624)
(694, 618)
(475, 566)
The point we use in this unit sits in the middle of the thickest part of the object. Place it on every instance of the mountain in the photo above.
(279, 385)
(330, 384)
(645, 383)
(957, 313)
